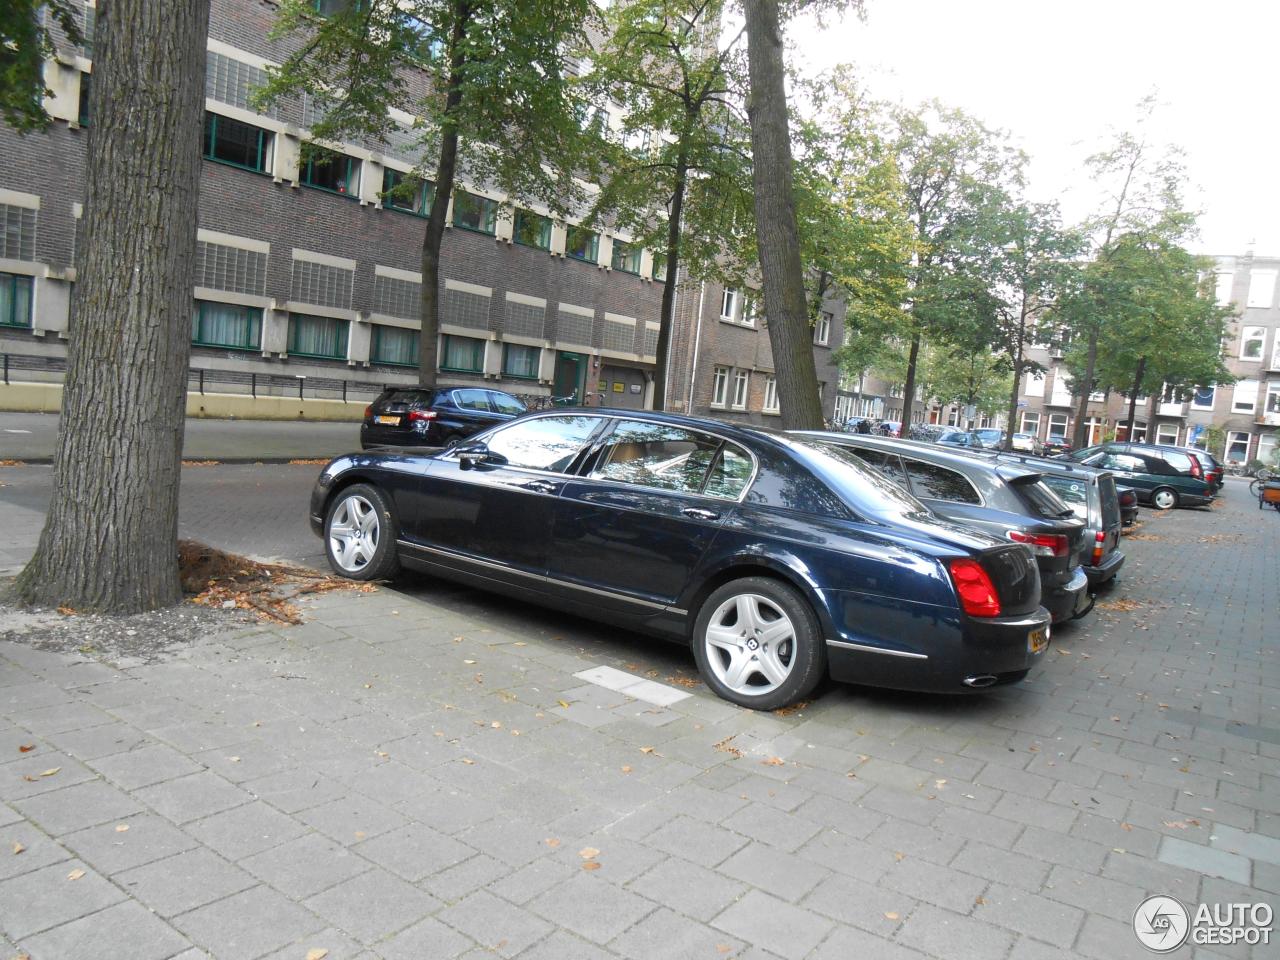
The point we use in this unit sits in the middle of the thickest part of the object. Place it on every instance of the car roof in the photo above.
(953, 456)
(1062, 468)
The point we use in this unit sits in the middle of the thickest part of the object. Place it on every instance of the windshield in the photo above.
(1074, 493)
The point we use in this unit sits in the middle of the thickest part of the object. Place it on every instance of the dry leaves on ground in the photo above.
(726, 746)
(201, 463)
(1123, 604)
(26, 747)
(12, 463)
(17, 848)
(773, 762)
(319, 953)
(75, 874)
(312, 462)
(225, 580)
(791, 708)
(1220, 538)
(1145, 536)
(689, 683)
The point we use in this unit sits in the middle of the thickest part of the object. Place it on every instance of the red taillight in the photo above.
(1042, 544)
(1099, 539)
(976, 591)
(416, 415)
(1195, 465)
(368, 411)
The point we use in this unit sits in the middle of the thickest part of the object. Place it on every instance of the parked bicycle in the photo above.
(1261, 476)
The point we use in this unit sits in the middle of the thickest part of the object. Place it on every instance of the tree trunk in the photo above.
(110, 537)
(777, 235)
(1086, 388)
(446, 167)
(1133, 396)
(1013, 401)
(909, 388)
(666, 320)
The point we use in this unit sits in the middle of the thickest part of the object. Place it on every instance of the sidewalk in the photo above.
(432, 772)
(32, 437)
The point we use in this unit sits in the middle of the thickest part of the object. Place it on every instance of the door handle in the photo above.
(540, 486)
(698, 513)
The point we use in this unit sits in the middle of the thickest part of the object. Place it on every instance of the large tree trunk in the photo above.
(667, 317)
(776, 232)
(909, 388)
(1086, 388)
(110, 538)
(1013, 401)
(446, 167)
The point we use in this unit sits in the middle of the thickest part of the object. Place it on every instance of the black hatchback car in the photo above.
(1001, 497)
(426, 417)
(778, 558)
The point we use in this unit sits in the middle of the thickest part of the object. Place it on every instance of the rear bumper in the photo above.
(1068, 600)
(1196, 500)
(1106, 570)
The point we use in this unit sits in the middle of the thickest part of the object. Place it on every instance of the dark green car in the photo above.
(1165, 477)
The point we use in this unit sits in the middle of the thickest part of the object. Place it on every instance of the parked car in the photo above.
(1005, 499)
(1214, 472)
(1027, 443)
(954, 437)
(425, 417)
(1128, 498)
(1056, 445)
(1165, 477)
(1091, 494)
(988, 436)
(779, 558)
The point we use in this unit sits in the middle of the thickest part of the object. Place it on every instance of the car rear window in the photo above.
(407, 398)
(1073, 492)
(1042, 501)
(1110, 501)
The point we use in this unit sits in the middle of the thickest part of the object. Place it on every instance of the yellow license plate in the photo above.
(389, 421)
(1038, 639)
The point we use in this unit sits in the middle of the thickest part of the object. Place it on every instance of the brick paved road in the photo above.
(401, 777)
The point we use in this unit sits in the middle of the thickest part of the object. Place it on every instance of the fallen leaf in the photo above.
(588, 853)
(368, 686)
(497, 725)
(468, 661)
(75, 874)
(774, 762)
(552, 842)
(359, 834)
(319, 953)
(723, 948)
(520, 643)
(899, 856)
(891, 915)
(1126, 826)
(646, 749)
(383, 754)
(626, 768)
(234, 759)
(591, 865)
(980, 901)
(17, 848)
(122, 827)
(468, 761)
(26, 748)
(939, 783)
(1176, 824)
(563, 703)
(50, 772)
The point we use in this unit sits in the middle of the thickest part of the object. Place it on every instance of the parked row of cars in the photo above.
(780, 558)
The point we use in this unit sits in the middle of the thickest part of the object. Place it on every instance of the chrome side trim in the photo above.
(1036, 620)
(863, 648)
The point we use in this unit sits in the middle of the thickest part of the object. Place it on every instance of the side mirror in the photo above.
(471, 455)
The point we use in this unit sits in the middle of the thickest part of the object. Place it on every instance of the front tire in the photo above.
(758, 643)
(360, 531)
(1164, 498)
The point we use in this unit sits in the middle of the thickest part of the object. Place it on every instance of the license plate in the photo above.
(389, 421)
(1038, 639)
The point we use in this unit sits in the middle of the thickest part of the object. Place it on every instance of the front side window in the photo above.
(236, 143)
(1251, 342)
(928, 480)
(520, 361)
(331, 171)
(770, 394)
(462, 354)
(532, 230)
(626, 257)
(473, 212)
(740, 381)
(15, 300)
(401, 191)
(394, 345)
(86, 81)
(322, 337)
(544, 443)
(226, 325)
(582, 244)
(720, 387)
(656, 455)
(748, 310)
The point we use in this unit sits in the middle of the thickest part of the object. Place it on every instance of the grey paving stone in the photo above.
(27, 776)
(494, 923)
(1206, 860)
(1037, 813)
(513, 840)
(245, 830)
(1093, 894)
(184, 881)
(455, 882)
(73, 808)
(855, 903)
(305, 866)
(786, 831)
(1252, 845)
(941, 886)
(427, 938)
(1030, 914)
(414, 851)
(664, 935)
(37, 850)
(373, 905)
(144, 766)
(294, 790)
(781, 874)
(590, 907)
(565, 946)
(352, 818)
(193, 797)
(774, 924)
(338, 944)
(524, 883)
(992, 863)
(247, 924)
(46, 898)
(123, 930)
(855, 858)
(148, 838)
(699, 842)
(846, 943)
(940, 932)
(1104, 939)
(1054, 848)
(687, 888)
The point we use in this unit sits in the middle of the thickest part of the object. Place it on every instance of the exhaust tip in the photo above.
(980, 680)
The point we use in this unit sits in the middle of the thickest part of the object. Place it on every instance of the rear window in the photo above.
(1074, 493)
(1110, 501)
(1042, 501)
(409, 397)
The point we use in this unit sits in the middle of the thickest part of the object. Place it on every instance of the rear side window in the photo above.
(472, 400)
(886, 463)
(1042, 501)
(928, 480)
(730, 474)
(1178, 461)
(1074, 493)
(504, 403)
(656, 455)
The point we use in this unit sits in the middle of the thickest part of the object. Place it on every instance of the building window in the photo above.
(741, 379)
(1167, 433)
(720, 387)
(410, 194)
(331, 171)
(626, 257)
(1057, 425)
(462, 354)
(582, 244)
(519, 361)
(822, 329)
(474, 212)
(1202, 398)
(322, 337)
(729, 305)
(1237, 447)
(394, 345)
(1222, 288)
(748, 310)
(1245, 397)
(226, 325)
(660, 267)
(1251, 342)
(1262, 287)
(1273, 398)
(532, 230)
(86, 81)
(15, 300)
(239, 144)
(771, 395)
(1030, 422)
(329, 8)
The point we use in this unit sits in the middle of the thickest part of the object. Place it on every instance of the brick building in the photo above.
(310, 268)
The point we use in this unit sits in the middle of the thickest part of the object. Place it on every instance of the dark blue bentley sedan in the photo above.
(778, 558)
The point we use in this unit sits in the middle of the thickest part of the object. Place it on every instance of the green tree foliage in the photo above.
(971, 377)
(26, 40)
(488, 81)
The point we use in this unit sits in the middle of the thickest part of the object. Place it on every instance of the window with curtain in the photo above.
(462, 354)
(582, 244)
(335, 172)
(226, 325)
(236, 143)
(317, 336)
(395, 345)
(626, 257)
(472, 212)
(15, 300)
(520, 361)
(400, 191)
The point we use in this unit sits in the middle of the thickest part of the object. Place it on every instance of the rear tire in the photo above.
(1164, 498)
(360, 533)
(758, 643)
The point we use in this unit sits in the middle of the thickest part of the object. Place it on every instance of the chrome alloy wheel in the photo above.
(750, 644)
(353, 533)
